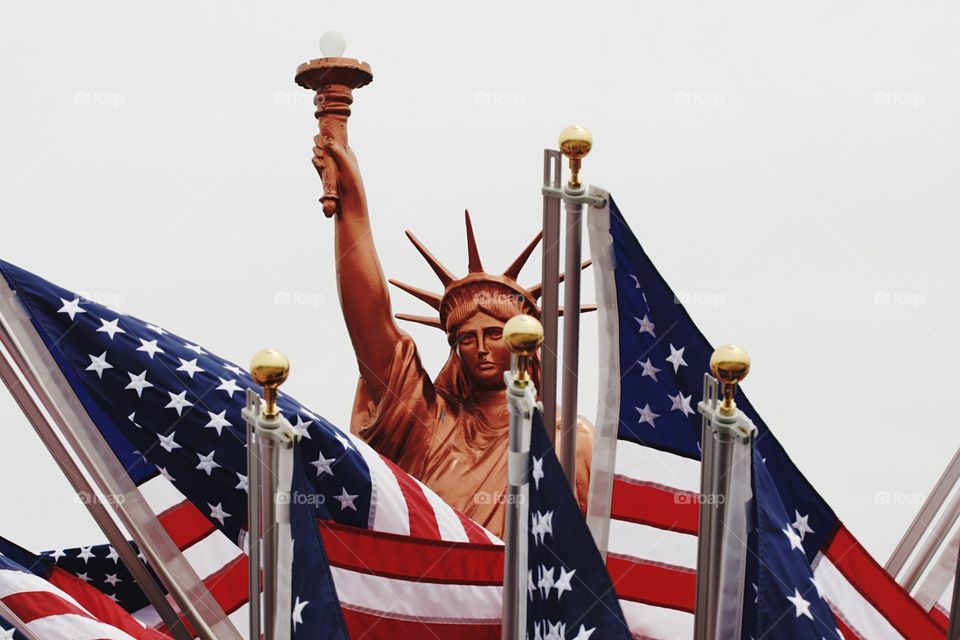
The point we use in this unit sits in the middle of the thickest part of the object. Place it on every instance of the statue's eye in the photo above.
(467, 338)
(495, 334)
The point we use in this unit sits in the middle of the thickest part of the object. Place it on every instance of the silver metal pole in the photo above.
(253, 515)
(725, 491)
(520, 401)
(936, 537)
(550, 299)
(78, 482)
(571, 336)
(268, 490)
(923, 519)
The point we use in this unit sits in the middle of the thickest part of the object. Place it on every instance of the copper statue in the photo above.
(452, 432)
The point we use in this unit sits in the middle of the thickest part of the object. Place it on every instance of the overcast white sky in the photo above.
(783, 164)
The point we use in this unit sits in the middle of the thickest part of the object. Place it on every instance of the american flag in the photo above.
(57, 605)
(169, 410)
(658, 359)
(568, 588)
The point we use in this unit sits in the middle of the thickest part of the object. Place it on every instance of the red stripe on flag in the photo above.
(394, 556)
(942, 617)
(878, 588)
(655, 506)
(370, 626)
(229, 585)
(653, 583)
(423, 521)
(475, 532)
(186, 524)
(31, 605)
(99, 604)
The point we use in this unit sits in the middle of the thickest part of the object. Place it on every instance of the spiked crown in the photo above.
(478, 290)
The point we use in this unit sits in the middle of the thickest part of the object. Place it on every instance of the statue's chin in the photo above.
(489, 380)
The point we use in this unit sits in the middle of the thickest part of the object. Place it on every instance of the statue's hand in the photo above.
(343, 184)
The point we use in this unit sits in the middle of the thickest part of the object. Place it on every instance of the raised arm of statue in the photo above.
(360, 282)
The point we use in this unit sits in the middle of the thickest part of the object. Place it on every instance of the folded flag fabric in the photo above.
(57, 605)
(169, 410)
(659, 358)
(568, 588)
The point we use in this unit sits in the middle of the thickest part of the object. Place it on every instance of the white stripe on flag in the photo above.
(842, 596)
(657, 623)
(211, 554)
(646, 464)
(388, 507)
(451, 528)
(649, 543)
(13, 581)
(417, 600)
(70, 626)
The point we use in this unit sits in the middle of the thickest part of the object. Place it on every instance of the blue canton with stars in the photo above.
(663, 358)
(569, 593)
(167, 406)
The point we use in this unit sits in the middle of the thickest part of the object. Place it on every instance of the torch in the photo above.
(333, 78)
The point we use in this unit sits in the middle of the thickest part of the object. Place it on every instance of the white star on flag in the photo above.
(649, 370)
(537, 471)
(71, 308)
(229, 386)
(138, 383)
(801, 524)
(795, 541)
(218, 421)
(110, 328)
(301, 427)
(803, 606)
(647, 415)
(99, 364)
(676, 358)
(167, 441)
(681, 403)
(207, 463)
(216, 511)
(346, 500)
(178, 401)
(298, 612)
(149, 347)
(322, 465)
(189, 367)
(646, 326)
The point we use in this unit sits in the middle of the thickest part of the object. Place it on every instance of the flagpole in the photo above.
(921, 522)
(274, 462)
(724, 492)
(253, 513)
(524, 335)
(934, 540)
(550, 300)
(78, 482)
(54, 392)
(575, 144)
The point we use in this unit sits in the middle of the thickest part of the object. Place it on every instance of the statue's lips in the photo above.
(486, 366)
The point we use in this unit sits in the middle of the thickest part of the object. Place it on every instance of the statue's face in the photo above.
(484, 354)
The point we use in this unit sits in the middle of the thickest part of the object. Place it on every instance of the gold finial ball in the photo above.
(269, 368)
(575, 141)
(523, 334)
(730, 363)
